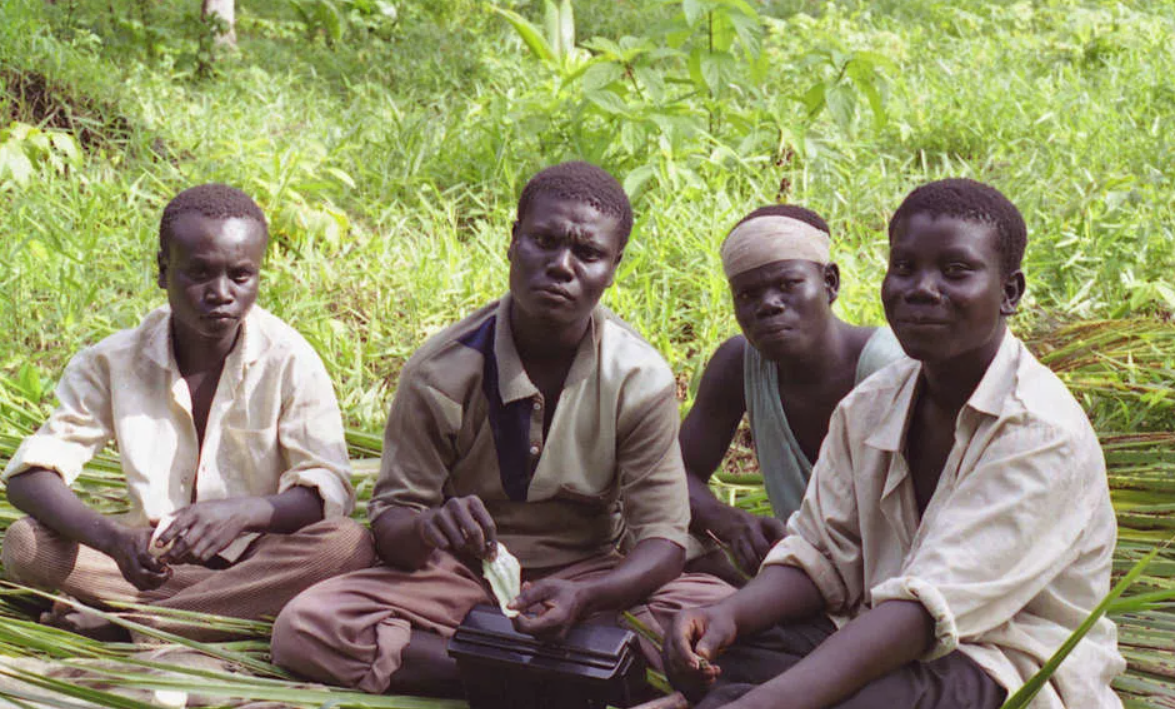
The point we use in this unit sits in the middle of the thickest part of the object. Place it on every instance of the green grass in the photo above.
(389, 163)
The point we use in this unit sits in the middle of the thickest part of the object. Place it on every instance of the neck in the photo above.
(198, 354)
(951, 382)
(820, 363)
(545, 340)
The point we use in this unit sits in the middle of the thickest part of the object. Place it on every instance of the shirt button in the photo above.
(538, 406)
(534, 450)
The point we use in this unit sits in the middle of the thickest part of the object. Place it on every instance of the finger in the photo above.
(744, 554)
(474, 538)
(443, 521)
(759, 544)
(179, 524)
(711, 643)
(773, 529)
(433, 536)
(178, 552)
(532, 594)
(486, 522)
(552, 621)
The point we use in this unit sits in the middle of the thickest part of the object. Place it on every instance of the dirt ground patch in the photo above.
(30, 97)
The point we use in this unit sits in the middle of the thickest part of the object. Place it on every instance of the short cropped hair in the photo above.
(971, 201)
(792, 211)
(214, 201)
(581, 182)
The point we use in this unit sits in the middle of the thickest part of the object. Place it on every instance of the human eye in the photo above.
(899, 267)
(956, 270)
(588, 253)
(241, 275)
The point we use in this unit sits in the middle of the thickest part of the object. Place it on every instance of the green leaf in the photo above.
(634, 182)
(601, 75)
(842, 104)
(529, 33)
(566, 27)
(551, 26)
(694, 10)
(1024, 696)
(813, 99)
(608, 102)
(14, 163)
(341, 176)
(717, 68)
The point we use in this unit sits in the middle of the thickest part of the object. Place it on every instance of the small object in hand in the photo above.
(505, 576)
(153, 547)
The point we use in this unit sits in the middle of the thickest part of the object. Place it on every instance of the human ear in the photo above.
(1014, 287)
(832, 281)
(513, 240)
(615, 265)
(161, 262)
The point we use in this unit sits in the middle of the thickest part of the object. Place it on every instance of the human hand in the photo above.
(549, 608)
(749, 537)
(129, 549)
(462, 526)
(695, 638)
(203, 529)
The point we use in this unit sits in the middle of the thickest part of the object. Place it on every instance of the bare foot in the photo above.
(84, 623)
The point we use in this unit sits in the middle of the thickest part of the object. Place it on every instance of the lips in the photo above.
(553, 292)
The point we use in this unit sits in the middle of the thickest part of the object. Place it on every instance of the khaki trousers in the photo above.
(351, 630)
(274, 569)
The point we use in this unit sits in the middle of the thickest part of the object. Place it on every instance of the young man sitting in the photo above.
(788, 370)
(958, 525)
(225, 421)
(541, 421)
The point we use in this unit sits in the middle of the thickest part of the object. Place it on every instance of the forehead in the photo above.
(929, 234)
(194, 234)
(769, 272)
(550, 210)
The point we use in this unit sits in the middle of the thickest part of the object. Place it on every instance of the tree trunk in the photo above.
(224, 9)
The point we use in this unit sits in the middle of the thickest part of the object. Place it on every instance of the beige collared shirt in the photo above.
(1014, 548)
(466, 420)
(274, 422)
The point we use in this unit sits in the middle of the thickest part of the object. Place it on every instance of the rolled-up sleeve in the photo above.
(78, 428)
(651, 472)
(311, 437)
(418, 446)
(975, 569)
(823, 535)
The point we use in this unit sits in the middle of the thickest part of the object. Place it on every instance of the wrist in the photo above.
(108, 536)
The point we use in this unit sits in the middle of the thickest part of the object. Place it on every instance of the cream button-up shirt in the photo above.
(1014, 548)
(274, 422)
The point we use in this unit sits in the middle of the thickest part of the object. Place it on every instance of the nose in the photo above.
(924, 287)
(770, 304)
(217, 291)
(559, 265)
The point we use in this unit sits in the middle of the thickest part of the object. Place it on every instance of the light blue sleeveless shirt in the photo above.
(782, 462)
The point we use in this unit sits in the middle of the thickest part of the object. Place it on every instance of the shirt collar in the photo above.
(989, 397)
(513, 382)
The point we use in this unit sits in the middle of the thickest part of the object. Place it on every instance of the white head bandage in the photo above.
(763, 240)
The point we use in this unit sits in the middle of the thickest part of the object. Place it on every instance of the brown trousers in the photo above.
(274, 569)
(950, 682)
(351, 630)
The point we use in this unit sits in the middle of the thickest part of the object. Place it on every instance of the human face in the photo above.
(944, 293)
(784, 307)
(211, 271)
(563, 255)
